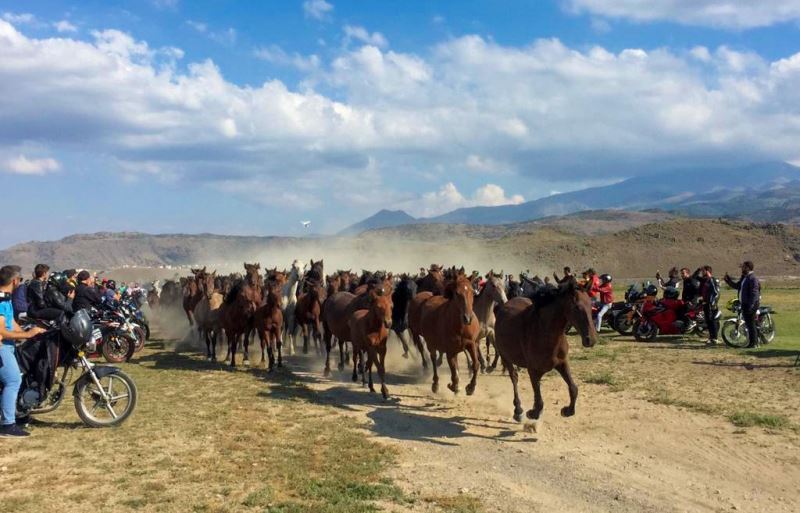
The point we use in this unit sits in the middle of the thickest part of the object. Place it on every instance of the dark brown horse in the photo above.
(206, 314)
(238, 309)
(448, 325)
(192, 294)
(432, 282)
(308, 313)
(369, 330)
(268, 321)
(530, 334)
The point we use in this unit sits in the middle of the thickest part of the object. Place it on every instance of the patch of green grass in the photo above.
(458, 504)
(664, 397)
(602, 378)
(259, 498)
(333, 490)
(135, 502)
(750, 419)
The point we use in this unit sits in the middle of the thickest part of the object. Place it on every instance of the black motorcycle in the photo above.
(103, 395)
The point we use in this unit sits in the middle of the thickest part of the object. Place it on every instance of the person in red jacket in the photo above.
(605, 293)
(592, 284)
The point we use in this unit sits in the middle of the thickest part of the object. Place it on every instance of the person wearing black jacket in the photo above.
(36, 295)
(86, 295)
(709, 297)
(749, 299)
(691, 285)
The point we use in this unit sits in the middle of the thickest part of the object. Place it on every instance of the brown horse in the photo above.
(268, 321)
(206, 314)
(530, 334)
(432, 282)
(448, 325)
(238, 309)
(308, 312)
(493, 293)
(369, 330)
(192, 294)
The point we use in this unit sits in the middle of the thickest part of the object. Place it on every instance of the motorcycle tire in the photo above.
(623, 325)
(645, 332)
(140, 335)
(734, 334)
(766, 329)
(117, 349)
(122, 404)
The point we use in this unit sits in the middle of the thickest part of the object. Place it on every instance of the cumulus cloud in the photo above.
(64, 26)
(469, 105)
(317, 9)
(22, 165)
(224, 37)
(357, 33)
(19, 18)
(277, 55)
(448, 198)
(735, 14)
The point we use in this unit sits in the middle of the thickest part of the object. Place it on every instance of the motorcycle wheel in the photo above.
(116, 348)
(141, 336)
(734, 333)
(766, 329)
(623, 325)
(645, 331)
(95, 412)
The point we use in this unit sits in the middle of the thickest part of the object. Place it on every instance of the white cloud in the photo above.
(735, 14)
(448, 198)
(23, 165)
(19, 18)
(277, 55)
(317, 9)
(224, 37)
(482, 164)
(166, 4)
(197, 25)
(600, 26)
(64, 26)
(357, 33)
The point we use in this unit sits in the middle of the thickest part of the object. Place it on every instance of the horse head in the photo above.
(380, 305)
(578, 310)
(495, 288)
(460, 291)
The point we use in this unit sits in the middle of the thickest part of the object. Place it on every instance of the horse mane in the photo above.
(546, 296)
(232, 294)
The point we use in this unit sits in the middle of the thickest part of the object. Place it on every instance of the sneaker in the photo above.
(711, 343)
(12, 431)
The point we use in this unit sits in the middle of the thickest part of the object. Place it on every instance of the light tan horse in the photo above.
(206, 314)
(493, 293)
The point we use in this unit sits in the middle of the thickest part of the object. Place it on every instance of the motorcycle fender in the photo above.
(99, 371)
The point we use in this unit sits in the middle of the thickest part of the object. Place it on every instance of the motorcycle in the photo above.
(668, 317)
(630, 312)
(103, 395)
(113, 335)
(734, 330)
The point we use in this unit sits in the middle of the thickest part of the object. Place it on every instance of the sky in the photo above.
(248, 117)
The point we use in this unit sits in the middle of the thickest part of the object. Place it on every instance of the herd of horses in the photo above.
(443, 313)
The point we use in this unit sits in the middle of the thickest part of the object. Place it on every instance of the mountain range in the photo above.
(767, 192)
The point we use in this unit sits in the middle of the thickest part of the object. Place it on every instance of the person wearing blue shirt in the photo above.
(10, 332)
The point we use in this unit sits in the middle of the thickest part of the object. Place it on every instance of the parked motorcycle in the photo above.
(734, 330)
(668, 317)
(113, 335)
(103, 395)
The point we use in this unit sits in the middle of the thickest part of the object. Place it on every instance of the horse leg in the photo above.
(418, 344)
(370, 360)
(233, 341)
(514, 375)
(270, 343)
(474, 348)
(538, 403)
(355, 365)
(452, 361)
(246, 352)
(403, 340)
(563, 369)
(382, 370)
(304, 327)
(341, 353)
(435, 386)
(262, 337)
(318, 337)
(214, 345)
(490, 338)
(207, 337)
(327, 337)
(480, 357)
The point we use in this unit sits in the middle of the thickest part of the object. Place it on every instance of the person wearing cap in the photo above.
(70, 276)
(86, 294)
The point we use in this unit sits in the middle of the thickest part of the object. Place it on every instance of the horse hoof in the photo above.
(341, 367)
(372, 390)
(452, 388)
(533, 415)
(405, 355)
(355, 377)
(435, 388)
(470, 389)
(305, 350)
(518, 415)
(326, 372)
(566, 411)
(490, 369)
(385, 393)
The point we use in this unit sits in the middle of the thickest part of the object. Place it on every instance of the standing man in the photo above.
(749, 298)
(709, 297)
(10, 332)
(86, 295)
(567, 276)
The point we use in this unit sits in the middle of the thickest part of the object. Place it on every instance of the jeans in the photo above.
(712, 323)
(752, 332)
(603, 309)
(11, 380)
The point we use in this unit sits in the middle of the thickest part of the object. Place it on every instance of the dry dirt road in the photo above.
(620, 452)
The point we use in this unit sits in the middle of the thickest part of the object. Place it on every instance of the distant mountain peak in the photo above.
(384, 218)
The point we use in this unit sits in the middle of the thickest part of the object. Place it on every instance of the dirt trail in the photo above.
(619, 453)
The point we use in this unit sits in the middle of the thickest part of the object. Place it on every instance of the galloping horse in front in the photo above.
(530, 334)
(448, 325)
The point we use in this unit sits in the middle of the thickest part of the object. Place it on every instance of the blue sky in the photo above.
(248, 117)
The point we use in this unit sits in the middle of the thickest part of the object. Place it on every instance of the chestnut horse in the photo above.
(530, 334)
(369, 330)
(432, 282)
(192, 294)
(238, 309)
(268, 321)
(206, 314)
(308, 312)
(448, 325)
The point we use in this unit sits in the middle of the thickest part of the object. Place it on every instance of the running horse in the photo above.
(369, 329)
(493, 293)
(530, 334)
(433, 281)
(206, 314)
(289, 302)
(448, 325)
(308, 310)
(268, 321)
(403, 293)
(238, 309)
(192, 294)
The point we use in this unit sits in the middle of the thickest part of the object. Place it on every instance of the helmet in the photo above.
(671, 293)
(605, 278)
(651, 290)
(111, 284)
(79, 329)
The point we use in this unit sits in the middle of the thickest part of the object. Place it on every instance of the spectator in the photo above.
(672, 281)
(19, 300)
(86, 295)
(605, 293)
(567, 276)
(37, 290)
(749, 299)
(691, 285)
(709, 297)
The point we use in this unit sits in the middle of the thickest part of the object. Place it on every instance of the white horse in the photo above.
(288, 303)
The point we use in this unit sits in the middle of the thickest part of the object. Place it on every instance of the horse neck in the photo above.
(374, 321)
(552, 318)
(483, 303)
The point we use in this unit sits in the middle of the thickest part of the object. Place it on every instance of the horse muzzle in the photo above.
(387, 324)
(467, 319)
(589, 340)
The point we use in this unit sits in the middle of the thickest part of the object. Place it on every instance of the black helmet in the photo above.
(111, 284)
(605, 278)
(79, 329)
(671, 293)
(651, 290)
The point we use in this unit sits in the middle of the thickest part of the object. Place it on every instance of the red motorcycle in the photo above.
(668, 317)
